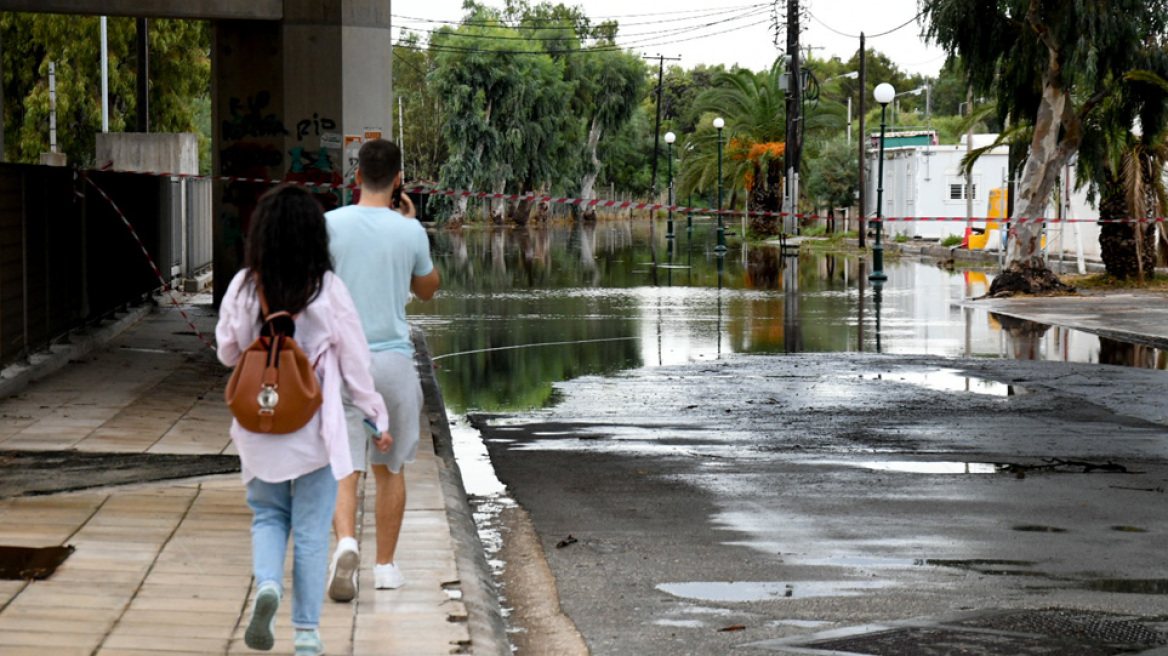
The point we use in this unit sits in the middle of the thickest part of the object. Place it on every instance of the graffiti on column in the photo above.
(314, 126)
(316, 166)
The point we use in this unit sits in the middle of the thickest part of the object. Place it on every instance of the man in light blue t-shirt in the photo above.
(382, 255)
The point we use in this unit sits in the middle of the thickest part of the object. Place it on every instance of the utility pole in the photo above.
(863, 143)
(657, 127)
(794, 148)
(969, 171)
(143, 76)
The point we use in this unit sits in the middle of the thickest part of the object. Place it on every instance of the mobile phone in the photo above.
(395, 199)
(371, 428)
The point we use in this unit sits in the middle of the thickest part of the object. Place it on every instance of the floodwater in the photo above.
(523, 309)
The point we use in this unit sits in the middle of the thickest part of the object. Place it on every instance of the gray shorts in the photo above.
(396, 378)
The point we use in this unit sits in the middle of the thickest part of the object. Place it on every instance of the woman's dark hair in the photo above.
(288, 246)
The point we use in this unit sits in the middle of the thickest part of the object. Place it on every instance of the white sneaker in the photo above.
(342, 578)
(388, 577)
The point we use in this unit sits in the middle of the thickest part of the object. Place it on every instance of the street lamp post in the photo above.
(884, 94)
(721, 248)
(669, 139)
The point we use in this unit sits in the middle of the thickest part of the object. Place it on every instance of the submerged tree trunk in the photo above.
(588, 185)
(766, 195)
(522, 212)
(499, 205)
(543, 209)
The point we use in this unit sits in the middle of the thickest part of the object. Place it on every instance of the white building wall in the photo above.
(917, 183)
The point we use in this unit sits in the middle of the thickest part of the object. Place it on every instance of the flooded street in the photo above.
(521, 309)
(741, 458)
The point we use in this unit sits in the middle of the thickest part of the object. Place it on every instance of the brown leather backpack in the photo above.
(274, 387)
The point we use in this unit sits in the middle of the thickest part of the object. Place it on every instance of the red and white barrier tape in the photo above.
(141, 245)
(629, 205)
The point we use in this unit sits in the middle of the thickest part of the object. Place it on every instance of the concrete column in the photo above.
(285, 95)
(248, 131)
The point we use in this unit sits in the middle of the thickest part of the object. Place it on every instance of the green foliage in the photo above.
(517, 111)
(1006, 55)
(180, 71)
(421, 109)
(627, 154)
(833, 176)
(951, 240)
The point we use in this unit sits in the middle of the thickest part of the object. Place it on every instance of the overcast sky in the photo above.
(737, 33)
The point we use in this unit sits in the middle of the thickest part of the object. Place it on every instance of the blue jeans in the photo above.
(303, 509)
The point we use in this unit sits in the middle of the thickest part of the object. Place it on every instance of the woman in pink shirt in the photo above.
(292, 478)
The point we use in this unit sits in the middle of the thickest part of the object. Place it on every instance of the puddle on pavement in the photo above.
(922, 467)
(802, 624)
(681, 624)
(949, 380)
(980, 565)
(748, 591)
(1129, 586)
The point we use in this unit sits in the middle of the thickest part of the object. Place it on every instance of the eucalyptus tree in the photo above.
(503, 109)
(610, 88)
(1051, 64)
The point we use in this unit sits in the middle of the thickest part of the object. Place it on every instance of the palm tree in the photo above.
(1126, 167)
(754, 108)
(1134, 191)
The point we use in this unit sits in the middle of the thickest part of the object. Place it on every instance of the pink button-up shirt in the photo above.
(329, 332)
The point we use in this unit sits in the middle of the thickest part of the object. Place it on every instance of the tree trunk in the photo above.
(1123, 246)
(1026, 269)
(499, 205)
(588, 185)
(522, 211)
(767, 196)
(543, 209)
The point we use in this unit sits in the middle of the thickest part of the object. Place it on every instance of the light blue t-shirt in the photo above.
(377, 252)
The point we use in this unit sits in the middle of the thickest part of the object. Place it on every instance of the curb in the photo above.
(488, 632)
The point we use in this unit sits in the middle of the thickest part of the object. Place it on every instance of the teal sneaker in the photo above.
(261, 631)
(308, 643)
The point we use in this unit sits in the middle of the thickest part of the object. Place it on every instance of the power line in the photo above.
(670, 31)
(613, 48)
(705, 13)
(869, 36)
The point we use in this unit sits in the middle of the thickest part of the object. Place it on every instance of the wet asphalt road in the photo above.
(782, 496)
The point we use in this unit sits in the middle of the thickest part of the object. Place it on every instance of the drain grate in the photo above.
(1052, 631)
(1073, 624)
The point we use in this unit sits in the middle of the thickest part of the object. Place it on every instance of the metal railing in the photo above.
(66, 258)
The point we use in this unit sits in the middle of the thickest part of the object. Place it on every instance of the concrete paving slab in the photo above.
(165, 567)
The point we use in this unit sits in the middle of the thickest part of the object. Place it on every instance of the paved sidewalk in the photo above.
(165, 568)
(1140, 317)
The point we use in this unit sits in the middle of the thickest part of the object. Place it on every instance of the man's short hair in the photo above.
(379, 161)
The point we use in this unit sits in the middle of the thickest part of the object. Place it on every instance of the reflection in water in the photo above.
(747, 591)
(601, 298)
